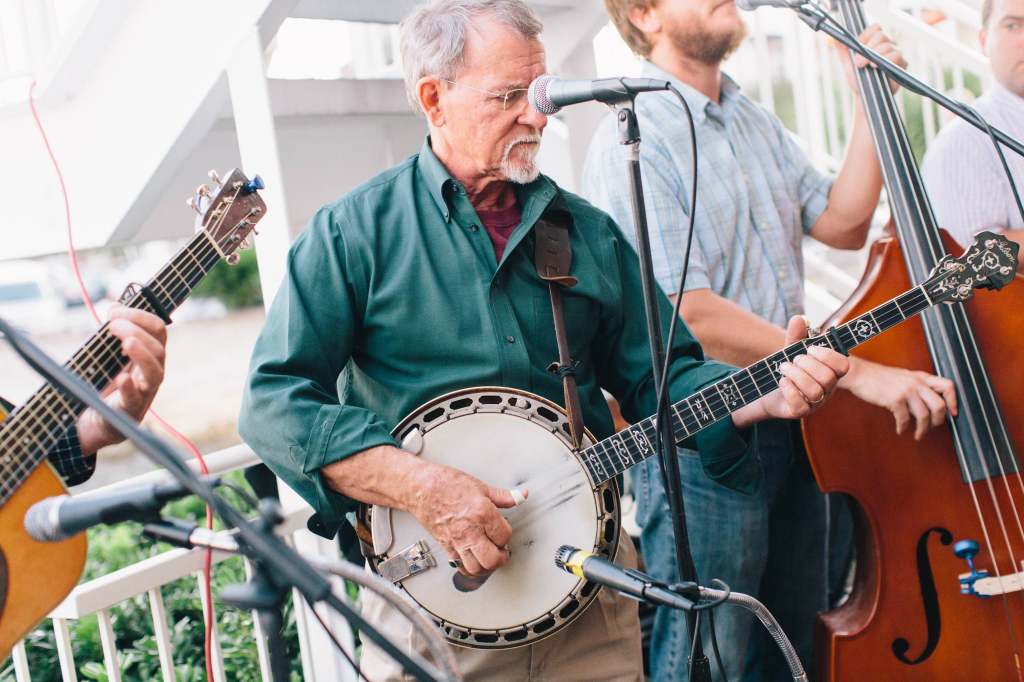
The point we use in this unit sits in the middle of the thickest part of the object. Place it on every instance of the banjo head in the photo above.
(511, 439)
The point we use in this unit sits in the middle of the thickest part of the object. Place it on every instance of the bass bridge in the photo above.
(978, 582)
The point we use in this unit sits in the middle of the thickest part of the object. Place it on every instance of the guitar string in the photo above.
(52, 423)
(19, 428)
(101, 350)
(876, 85)
(549, 489)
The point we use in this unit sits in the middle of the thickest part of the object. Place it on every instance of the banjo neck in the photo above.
(951, 281)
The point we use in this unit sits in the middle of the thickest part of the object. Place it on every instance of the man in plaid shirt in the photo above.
(143, 341)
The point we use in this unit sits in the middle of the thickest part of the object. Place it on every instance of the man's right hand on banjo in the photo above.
(459, 510)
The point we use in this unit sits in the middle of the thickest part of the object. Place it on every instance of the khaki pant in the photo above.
(602, 644)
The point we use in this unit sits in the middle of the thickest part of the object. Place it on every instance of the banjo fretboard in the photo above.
(612, 456)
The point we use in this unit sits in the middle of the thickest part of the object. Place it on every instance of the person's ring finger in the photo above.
(804, 383)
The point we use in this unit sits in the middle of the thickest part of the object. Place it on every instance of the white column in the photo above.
(257, 144)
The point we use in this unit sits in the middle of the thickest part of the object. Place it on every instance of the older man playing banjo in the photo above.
(421, 282)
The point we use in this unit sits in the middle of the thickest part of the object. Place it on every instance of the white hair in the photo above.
(433, 37)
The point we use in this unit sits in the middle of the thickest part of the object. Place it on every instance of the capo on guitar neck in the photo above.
(135, 288)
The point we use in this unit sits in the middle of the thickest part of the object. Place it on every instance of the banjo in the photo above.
(516, 439)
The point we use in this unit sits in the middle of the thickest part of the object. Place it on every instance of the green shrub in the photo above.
(237, 286)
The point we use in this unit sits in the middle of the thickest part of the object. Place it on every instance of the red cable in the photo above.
(73, 258)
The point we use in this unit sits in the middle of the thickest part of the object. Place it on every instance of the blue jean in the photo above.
(770, 545)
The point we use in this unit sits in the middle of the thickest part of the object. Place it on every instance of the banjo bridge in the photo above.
(414, 559)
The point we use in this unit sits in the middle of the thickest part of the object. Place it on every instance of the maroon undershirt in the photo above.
(499, 224)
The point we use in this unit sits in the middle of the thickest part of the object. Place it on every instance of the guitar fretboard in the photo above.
(28, 433)
(612, 456)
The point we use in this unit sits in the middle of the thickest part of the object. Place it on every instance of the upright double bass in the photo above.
(939, 586)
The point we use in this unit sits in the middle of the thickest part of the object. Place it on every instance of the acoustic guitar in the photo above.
(34, 576)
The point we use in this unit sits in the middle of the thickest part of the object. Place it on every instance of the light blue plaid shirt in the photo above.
(757, 195)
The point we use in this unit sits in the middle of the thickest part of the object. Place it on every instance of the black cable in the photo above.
(663, 386)
(1002, 158)
(337, 644)
(693, 648)
(249, 500)
(714, 647)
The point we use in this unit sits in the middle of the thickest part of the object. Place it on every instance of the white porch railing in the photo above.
(943, 53)
(98, 597)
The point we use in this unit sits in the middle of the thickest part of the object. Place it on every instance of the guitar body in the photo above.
(511, 439)
(34, 576)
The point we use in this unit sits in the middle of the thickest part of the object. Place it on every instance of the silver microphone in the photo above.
(548, 94)
(751, 5)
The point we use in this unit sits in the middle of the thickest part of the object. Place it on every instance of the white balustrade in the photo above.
(99, 596)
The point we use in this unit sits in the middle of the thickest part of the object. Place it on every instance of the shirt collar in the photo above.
(699, 103)
(439, 180)
(442, 185)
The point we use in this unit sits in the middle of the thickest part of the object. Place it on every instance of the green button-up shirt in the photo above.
(393, 297)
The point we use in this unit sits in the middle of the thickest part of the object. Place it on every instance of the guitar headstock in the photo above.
(989, 263)
(229, 211)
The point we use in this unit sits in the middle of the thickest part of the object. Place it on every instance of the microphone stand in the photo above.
(281, 567)
(817, 19)
(629, 136)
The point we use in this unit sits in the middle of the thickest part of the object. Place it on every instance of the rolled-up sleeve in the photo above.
(292, 415)
(66, 455)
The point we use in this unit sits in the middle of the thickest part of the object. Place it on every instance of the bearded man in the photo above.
(422, 281)
(758, 196)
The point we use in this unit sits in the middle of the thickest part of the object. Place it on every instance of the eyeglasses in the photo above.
(510, 99)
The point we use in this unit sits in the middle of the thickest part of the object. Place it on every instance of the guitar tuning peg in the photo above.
(202, 191)
(191, 203)
(215, 177)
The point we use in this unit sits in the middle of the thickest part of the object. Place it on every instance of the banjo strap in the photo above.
(553, 258)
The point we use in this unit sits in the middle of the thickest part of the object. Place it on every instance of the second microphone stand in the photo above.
(629, 136)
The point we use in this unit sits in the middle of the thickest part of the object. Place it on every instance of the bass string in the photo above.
(875, 87)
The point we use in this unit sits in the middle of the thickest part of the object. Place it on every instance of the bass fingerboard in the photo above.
(612, 456)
